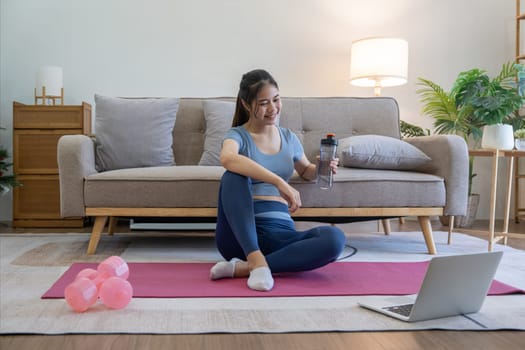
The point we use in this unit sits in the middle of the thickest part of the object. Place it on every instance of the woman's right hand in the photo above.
(291, 195)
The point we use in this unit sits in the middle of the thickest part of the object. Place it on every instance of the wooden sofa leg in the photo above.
(450, 228)
(112, 224)
(386, 226)
(98, 226)
(426, 227)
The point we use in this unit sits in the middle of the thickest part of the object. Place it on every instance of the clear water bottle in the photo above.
(327, 154)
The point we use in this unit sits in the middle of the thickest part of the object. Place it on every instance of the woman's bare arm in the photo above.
(308, 170)
(237, 163)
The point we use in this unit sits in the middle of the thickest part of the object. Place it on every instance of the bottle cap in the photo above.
(329, 140)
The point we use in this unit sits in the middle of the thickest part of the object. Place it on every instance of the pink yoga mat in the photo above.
(190, 280)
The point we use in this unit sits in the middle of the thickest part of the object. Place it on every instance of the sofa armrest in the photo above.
(450, 161)
(76, 160)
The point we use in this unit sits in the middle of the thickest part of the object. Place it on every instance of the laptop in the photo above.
(453, 285)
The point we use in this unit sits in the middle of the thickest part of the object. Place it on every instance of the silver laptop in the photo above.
(453, 285)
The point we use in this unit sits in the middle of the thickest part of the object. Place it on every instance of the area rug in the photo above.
(64, 253)
(22, 310)
(190, 280)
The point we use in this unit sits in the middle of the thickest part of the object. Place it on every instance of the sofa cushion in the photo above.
(134, 133)
(198, 186)
(380, 152)
(373, 188)
(182, 186)
(218, 116)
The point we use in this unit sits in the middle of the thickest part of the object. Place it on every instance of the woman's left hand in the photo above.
(290, 195)
(334, 164)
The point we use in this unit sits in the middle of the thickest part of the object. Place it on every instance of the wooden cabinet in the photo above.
(36, 130)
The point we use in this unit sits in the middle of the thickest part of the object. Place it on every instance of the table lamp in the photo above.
(49, 81)
(378, 63)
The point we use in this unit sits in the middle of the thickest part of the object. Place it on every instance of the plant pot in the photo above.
(498, 136)
(520, 144)
(467, 220)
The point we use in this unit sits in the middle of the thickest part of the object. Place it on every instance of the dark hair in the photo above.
(251, 83)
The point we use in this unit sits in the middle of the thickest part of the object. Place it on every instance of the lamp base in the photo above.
(51, 99)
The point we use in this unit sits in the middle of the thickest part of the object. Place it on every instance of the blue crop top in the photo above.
(280, 163)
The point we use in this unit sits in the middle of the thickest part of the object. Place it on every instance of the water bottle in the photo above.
(324, 172)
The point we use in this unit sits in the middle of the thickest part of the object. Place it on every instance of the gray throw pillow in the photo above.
(218, 116)
(134, 132)
(380, 152)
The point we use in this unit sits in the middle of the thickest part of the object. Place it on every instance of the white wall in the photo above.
(201, 48)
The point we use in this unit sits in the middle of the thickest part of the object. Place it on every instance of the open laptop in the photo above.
(453, 285)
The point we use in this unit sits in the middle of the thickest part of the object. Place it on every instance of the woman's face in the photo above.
(267, 105)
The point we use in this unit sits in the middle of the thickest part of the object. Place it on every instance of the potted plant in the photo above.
(474, 101)
(520, 139)
(6, 181)
(493, 101)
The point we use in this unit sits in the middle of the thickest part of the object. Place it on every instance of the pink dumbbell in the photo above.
(81, 294)
(115, 293)
(108, 281)
(92, 275)
(114, 266)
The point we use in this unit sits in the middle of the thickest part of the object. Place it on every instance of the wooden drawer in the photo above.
(35, 151)
(37, 198)
(52, 117)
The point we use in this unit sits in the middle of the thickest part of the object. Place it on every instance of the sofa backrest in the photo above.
(310, 118)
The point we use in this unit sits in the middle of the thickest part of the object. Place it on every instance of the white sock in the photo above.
(223, 269)
(261, 279)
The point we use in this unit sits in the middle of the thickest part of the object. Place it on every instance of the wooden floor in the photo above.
(301, 341)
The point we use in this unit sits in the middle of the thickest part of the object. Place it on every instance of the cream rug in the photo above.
(29, 264)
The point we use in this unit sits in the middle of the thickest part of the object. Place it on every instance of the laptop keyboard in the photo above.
(400, 309)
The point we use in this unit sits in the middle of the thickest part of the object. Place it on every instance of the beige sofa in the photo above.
(189, 190)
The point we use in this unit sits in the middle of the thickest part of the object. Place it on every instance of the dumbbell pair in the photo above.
(108, 281)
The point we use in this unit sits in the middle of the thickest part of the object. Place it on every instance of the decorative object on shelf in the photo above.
(6, 181)
(378, 63)
(519, 141)
(473, 102)
(498, 136)
(49, 81)
(494, 100)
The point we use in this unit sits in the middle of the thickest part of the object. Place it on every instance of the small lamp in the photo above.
(379, 62)
(49, 81)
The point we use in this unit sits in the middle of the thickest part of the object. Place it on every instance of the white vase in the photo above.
(498, 136)
(520, 144)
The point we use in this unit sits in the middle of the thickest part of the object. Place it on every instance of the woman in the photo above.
(255, 232)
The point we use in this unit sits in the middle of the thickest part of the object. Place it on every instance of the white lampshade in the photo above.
(379, 62)
(51, 78)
